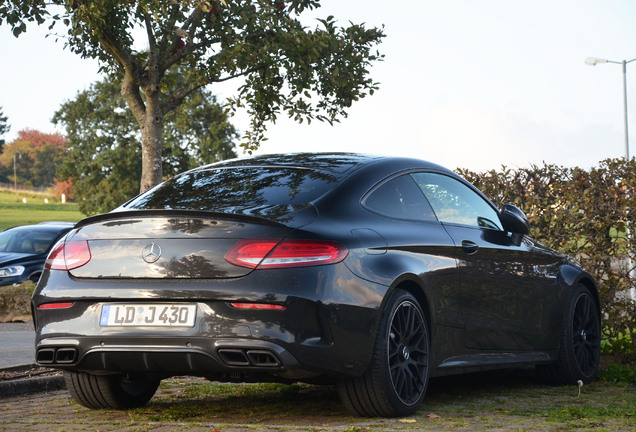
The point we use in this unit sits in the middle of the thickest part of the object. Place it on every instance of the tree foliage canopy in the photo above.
(283, 66)
(104, 152)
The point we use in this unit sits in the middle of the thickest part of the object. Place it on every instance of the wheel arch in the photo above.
(572, 276)
(589, 283)
(410, 283)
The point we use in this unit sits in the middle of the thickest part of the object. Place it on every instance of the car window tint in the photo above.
(400, 198)
(454, 202)
(237, 189)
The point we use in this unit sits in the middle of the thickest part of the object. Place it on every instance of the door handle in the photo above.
(469, 247)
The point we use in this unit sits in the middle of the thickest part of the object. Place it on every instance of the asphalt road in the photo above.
(17, 342)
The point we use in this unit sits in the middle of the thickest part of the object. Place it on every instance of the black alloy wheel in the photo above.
(396, 381)
(407, 348)
(586, 335)
(580, 345)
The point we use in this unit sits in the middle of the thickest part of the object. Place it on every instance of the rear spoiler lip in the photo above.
(173, 213)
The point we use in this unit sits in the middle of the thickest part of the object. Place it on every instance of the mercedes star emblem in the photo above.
(151, 253)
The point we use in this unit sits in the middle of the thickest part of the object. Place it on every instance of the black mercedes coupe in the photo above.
(366, 272)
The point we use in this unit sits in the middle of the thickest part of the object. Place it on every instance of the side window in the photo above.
(400, 198)
(454, 202)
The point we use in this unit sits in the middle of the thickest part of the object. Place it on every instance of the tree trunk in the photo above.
(151, 144)
(149, 116)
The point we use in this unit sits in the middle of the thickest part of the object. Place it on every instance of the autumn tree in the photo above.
(281, 65)
(104, 151)
(37, 156)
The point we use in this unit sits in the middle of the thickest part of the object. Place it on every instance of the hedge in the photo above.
(589, 215)
(15, 302)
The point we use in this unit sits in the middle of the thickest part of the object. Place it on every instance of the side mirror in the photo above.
(514, 220)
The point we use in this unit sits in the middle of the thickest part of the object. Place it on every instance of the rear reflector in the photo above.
(68, 255)
(288, 253)
(55, 305)
(258, 306)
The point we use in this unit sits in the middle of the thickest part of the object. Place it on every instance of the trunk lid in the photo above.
(160, 244)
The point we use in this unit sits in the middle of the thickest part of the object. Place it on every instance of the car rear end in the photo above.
(189, 289)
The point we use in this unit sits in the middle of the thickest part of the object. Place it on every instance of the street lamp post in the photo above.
(592, 61)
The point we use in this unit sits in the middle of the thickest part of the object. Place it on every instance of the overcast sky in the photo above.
(465, 83)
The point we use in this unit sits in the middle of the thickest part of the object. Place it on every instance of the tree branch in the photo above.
(154, 73)
(193, 22)
(194, 19)
(167, 29)
(240, 74)
(130, 92)
(178, 54)
(175, 99)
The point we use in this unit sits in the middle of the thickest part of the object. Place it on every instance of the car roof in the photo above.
(336, 163)
(53, 227)
(60, 223)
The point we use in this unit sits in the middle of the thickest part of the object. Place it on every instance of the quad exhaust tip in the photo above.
(249, 357)
(52, 356)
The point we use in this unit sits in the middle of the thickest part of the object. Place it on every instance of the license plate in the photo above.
(154, 315)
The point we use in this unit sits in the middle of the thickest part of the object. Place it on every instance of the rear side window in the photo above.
(400, 198)
(239, 190)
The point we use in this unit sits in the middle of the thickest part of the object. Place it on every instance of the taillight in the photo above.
(288, 253)
(68, 255)
(55, 305)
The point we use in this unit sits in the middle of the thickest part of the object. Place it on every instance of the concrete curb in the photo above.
(30, 385)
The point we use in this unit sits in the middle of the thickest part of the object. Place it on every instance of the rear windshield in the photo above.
(250, 190)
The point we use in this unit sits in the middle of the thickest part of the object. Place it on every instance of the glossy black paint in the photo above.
(492, 298)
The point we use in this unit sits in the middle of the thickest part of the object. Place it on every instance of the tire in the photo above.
(120, 392)
(396, 381)
(580, 345)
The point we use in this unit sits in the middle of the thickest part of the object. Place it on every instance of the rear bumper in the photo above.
(198, 356)
(323, 330)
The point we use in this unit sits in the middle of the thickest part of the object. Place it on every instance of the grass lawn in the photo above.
(483, 402)
(35, 210)
(506, 400)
